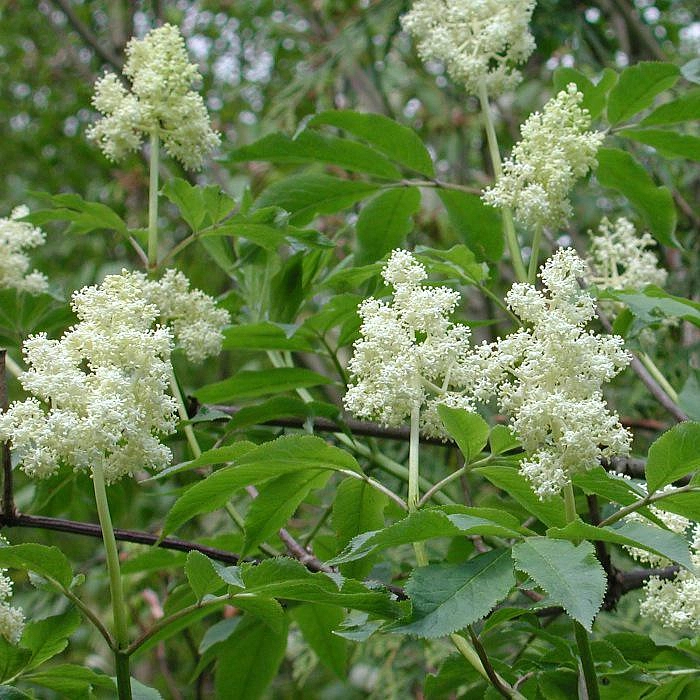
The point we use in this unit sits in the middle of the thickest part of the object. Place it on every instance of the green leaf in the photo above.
(669, 143)
(673, 455)
(479, 225)
(12, 659)
(682, 109)
(8, 693)
(305, 196)
(207, 576)
(502, 439)
(311, 147)
(276, 502)
(317, 623)
(139, 691)
(469, 430)
(570, 574)
(384, 223)
(594, 96)
(217, 455)
(266, 336)
(250, 384)
(282, 456)
(396, 141)
(357, 508)
(448, 597)
(620, 171)
(427, 523)
(248, 661)
(281, 407)
(84, 216)
(689, 396)
(691, 70)
(48, 637)
(72, 681)
(458, 262)
(632, 534)
(153, 559)
(49, 562)
(199, 206)
(638, 86)
(550, 511)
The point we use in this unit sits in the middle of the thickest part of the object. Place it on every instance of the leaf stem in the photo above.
(153, 202)
(534, 255)
(658, 375)
(182, 412)
(452, 477)
(508, 223)
(121, 630)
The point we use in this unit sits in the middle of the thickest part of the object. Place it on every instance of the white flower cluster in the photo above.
(160, 101)
(99, 393)
(554, 151)
(194, 317)
(11, 618)
(672, 603)
(619, 257)
(15, 237)
(409, 354)
(549, 376)
(479, 42)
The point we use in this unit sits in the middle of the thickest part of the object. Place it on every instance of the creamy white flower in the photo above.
(160, 101)
(548, 377)
(99, 394)
(555, 150)
(11, 618)
(479, 42)
(619, 257)
(409, 354)
(15, 237)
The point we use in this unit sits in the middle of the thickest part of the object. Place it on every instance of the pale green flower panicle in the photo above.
(548, 378)
(479, 42)
(555, 150)
(11, 617)
(15, 237)
(409, 354)
(159, 102)
(620, 258)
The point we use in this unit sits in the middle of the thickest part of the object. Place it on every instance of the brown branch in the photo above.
(8, 503)
(105, 53)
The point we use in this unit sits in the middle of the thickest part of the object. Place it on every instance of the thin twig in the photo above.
(8, 503)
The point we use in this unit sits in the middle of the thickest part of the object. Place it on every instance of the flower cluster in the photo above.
(675, 602)
(549, 376)
(99, 393)
(554, 151)
(160, 102)
(410, 355)
(619, 257)
(479, 42)
(11, 618)
(15, 237)
(193, 316)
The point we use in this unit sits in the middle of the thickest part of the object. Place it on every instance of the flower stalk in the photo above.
(154, 163)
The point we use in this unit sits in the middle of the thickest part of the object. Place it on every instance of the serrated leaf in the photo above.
(427, 523)
(12, 659)
(248, 661)
(265, 336)
(620, 171)
(72, 681)
(276, 502)
(673, 455)
(479, 225)
(282, 456)
(312, 147)
(154, 559)
(469, 430)
(317, 623)
(251, 384)
(217, 455)
(357, 508)
(207, 576)
(689, 396)
(448, 597)
(570, 574)
(199, 206)
(550, 511)
(394, 140)
(502, 439)
(631, 534)
(49, 562)
(594, 95)
(669, 143)
(304, 196)
(684, 108)
(458, 262)
(384, 222)
(281, 407)
(266, 609)
(48, 637)
(637, 87)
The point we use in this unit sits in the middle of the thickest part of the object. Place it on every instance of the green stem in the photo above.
(651, 498)
(508, 223)
(452, 477)
(657, 374)
(182, 412)
(153, 203)
(12, 367)
(582, 641)
(121, 630)
(534, 255)
(413, 479)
